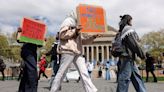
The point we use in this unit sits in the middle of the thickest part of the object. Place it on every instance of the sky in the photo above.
(148, 15)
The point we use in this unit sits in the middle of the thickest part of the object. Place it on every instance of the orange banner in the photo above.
(92, 18)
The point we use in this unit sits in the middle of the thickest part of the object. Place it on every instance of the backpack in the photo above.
(117, 47)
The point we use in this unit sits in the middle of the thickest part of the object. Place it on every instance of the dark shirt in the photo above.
(29, 49)
(2, 65)
(53, 52)
(149, 63)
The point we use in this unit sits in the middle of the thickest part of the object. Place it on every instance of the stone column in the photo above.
(102, 55)
(92, 53)
(107, 47)
(97, 53)
(87, 47)
(83, 50)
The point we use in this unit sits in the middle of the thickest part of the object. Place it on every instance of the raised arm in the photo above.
(88, 39)
(68, 29)
(67, 33)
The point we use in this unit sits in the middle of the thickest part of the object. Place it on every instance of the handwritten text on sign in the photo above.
(91, 18)
(33, 29)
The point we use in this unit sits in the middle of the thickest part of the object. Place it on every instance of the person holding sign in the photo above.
(29, 81)
(70, 47)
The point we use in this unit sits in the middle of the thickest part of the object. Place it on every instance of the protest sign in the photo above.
(33, 31)
(92, 18)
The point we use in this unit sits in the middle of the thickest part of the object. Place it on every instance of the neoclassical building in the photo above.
(99, 50)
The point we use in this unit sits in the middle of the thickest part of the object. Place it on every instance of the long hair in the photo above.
(125, 20)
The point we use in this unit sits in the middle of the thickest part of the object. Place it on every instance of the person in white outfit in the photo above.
(90, 68)
(70, 47)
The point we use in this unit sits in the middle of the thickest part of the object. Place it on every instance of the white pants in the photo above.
(79, 62)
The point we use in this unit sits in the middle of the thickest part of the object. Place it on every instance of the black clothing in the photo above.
(22, 65)
(147, 76)
(99, 74)
(150, 68)
(2, 65)
(29, 81)
(54, 58)
(130, 42)
(29, 49)
(53, 52)
(3, 75)
(42, 72)
(20, 74)
(150, 63)
(2, 68)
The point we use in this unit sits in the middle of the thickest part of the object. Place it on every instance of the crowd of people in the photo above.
(68, 49)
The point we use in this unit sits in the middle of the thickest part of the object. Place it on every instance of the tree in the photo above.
(15, 52)
(15, 48)
(49, 42)
(153, 42)
(4, 46)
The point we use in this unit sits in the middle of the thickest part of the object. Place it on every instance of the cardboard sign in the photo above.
(92, 18)
(33, 31)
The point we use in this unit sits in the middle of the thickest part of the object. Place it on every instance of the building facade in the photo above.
(99, 50)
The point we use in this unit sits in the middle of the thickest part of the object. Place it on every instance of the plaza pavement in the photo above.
(73, 86)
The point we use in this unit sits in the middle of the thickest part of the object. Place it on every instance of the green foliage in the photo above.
(9, 51)
(154, 42)
(49, 42)
(156, 52)
(151, 79)
(9, 48)
(4, 46)
(4, 42)
(15, 52)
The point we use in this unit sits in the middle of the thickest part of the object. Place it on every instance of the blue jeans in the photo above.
(107, 75)
(55, 67)
(129, 72)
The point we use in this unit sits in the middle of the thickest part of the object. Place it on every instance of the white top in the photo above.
(90, 66)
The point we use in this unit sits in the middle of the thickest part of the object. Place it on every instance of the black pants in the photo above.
(55, 67)
(42, 72)
(29, 81)
(100, 74)
(20, 75)
(147, 75)
(3, 75)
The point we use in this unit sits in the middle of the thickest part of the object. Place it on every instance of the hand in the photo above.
(79, 27)
(45, 39)
(19, 29)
